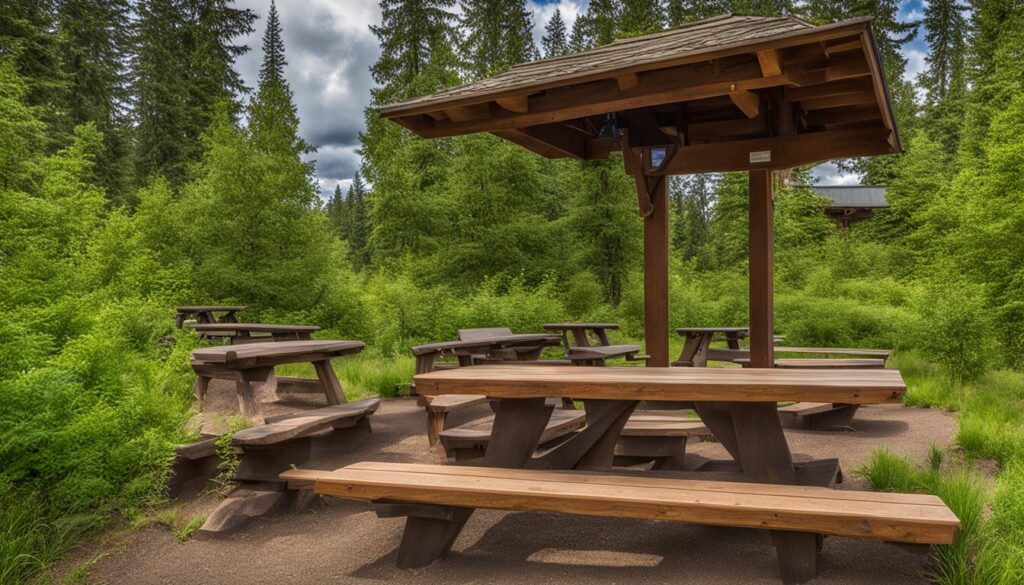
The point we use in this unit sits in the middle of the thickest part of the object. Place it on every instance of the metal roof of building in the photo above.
(845, 196)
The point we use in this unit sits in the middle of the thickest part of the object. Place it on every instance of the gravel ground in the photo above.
(339, 541)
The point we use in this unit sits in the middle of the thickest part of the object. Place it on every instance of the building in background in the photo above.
(852, 203)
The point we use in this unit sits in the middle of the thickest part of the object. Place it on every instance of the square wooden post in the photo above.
(656, 277)
(762, 251)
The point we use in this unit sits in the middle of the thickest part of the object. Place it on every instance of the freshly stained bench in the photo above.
(254, 363)
(810, 511)
(207, 314)
(238, 333)
(737, 405)
(267, 450)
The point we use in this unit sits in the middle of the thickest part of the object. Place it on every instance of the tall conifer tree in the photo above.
(96, 47)
(945, 79)
(640, 17)
(555, 41)
(498, 36)
(357, 223)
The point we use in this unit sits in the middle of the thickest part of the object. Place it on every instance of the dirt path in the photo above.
(340, 541)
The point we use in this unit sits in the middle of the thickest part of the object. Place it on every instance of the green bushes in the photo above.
(955, 330)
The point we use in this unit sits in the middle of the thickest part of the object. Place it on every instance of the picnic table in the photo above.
(582, 352)
(738, 405)
(238, 333)
(207, 314)
(253, 363)
(475, 348)
(697, 348)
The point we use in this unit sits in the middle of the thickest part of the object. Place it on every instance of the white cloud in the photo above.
(829, 174)
(543, 12)
(329, 48)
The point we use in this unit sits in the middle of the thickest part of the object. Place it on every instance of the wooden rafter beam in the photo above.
(843, 66)
(519, 104)
(844, 115)
(468, 113)
(707, 131)
(785, 152)
(854, 85)
(770, 63)
(838, 101)
(747, 101)
(628, 81)
(655, 88)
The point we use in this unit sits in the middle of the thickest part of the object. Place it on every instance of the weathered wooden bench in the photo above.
(431, 496)
(238, 333)
(254, 363)
(267, 450)
(581, 352)
(469, 441)
(207, 314)
(657, 437)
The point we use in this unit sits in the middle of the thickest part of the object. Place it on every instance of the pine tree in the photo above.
(358, 225)
(640, 17)
(336, 212)
(555, 41)
(682, 11)
(416, 38)
(945, 79)
(27, 33)
(272, 69)
(602, 20)
(578, 39)
(273, 118)
(185, 70)
(96, 46)
(498, 36)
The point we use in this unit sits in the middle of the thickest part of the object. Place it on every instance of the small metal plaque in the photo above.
(760, 156)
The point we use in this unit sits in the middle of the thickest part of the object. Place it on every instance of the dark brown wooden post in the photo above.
(762, 247)
(656, 277)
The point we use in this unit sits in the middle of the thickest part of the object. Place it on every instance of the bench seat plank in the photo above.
(288, 426)
(601, 352)
(663, 425)
(879, 353)
(451, 402)
(806, 408)
(822, 363)
(869, 386)
(912, 518)
(562, 421)
(270, 349)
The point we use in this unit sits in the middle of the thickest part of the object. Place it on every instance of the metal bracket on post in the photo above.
(646, 184)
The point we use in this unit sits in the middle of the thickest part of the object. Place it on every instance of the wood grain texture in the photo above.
(271, 350)
(895, 517)
(669, 384)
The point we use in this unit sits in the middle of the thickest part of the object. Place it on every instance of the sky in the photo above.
(330, 49)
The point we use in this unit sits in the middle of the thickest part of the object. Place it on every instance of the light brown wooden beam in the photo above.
(747, 101)
(786, 152)
(843, 66)
(656, 289)
(843, 45)
(519, 104)
(770, 62)
(562, 138)
(628, 81)
(467, 113)
(538, 146)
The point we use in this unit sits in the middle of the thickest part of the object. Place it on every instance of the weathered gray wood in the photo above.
(241, 506)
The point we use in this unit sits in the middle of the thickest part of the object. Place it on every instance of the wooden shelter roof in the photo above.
(716, 94)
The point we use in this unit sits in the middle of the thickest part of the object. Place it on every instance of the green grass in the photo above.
(990, 413)
(366, 375)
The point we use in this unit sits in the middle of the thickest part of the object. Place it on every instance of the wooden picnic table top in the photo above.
(252, 327)
(275, 350)
(684, 330)
(835, 351)
(601, 352)
(668, 384)
(495, 341)
(822, 363)
(571, 326)
(210, 308)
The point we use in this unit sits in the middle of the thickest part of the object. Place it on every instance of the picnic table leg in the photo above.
(518, 425)
(247, 401)
(332, 387)
(229, 317)
(199, 388)
(764, 456)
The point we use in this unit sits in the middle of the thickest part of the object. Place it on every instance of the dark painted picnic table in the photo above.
(253, 363)
(207, 314)
(237, 333)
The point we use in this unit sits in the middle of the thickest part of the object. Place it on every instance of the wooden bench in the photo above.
(469, 441)
(207, 314)
(581, 352)
(431, 494)
(267, 450)
(657, 437)
(238, 333)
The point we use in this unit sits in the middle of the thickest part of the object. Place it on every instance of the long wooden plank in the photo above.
(882, 353)
(656, 498)
(252, 327)
(230, 353)
(671, 384)
(299, 423)
(823, 363)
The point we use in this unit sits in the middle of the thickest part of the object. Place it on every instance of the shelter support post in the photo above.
(762, 247)
(656, 277)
